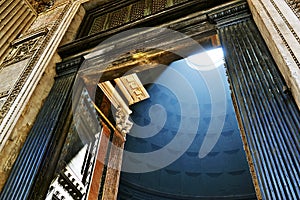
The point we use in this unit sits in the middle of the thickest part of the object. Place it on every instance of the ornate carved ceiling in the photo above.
(41, 5)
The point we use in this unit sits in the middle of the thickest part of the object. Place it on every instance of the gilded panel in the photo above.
(158, 5)
(131, 13)
(98, 24)
(119, 17)
(137, 10)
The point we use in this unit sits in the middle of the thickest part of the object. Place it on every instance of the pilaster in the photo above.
(31, 60)
(278, 22)
(267, 113)
(40, 143)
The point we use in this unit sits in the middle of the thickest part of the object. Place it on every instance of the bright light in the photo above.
(207, 60)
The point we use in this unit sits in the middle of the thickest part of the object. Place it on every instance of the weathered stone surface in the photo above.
(40, 54)
(295, 6)
(15, 18)
(3, 99)
(111, 185)
(99, 165)
(16, 140)
(41, 5)
(9, 75)
(280, 29)
(46, 19)
(71, 33)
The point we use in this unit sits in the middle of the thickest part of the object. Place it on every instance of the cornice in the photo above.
(235, 12)
(69, 66)
(30, 36)
(156, 19)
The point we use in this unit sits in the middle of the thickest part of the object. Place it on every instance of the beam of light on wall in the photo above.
(207, 60)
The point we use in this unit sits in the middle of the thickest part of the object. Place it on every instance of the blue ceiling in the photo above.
(222, 174)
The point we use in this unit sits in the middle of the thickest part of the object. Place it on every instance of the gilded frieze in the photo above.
(130, 13)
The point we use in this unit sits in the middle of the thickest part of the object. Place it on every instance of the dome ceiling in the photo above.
(222, 173)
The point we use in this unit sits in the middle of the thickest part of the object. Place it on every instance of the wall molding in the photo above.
(279, 27)
(295, 6)
(21, 93)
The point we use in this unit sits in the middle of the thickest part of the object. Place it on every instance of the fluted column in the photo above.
(27, 75)
(269, 116)
(41, 136)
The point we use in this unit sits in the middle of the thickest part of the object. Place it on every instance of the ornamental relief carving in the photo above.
(295, 6)
(22, 51)
(44, 35)
(123, 124)
(25, 46)
(41, 5)
(280, 31)
(132, 88)
(4, 94)
(130, 13)
(3, 97)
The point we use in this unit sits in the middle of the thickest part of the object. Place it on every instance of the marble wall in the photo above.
(278, 22)
(28, 69)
